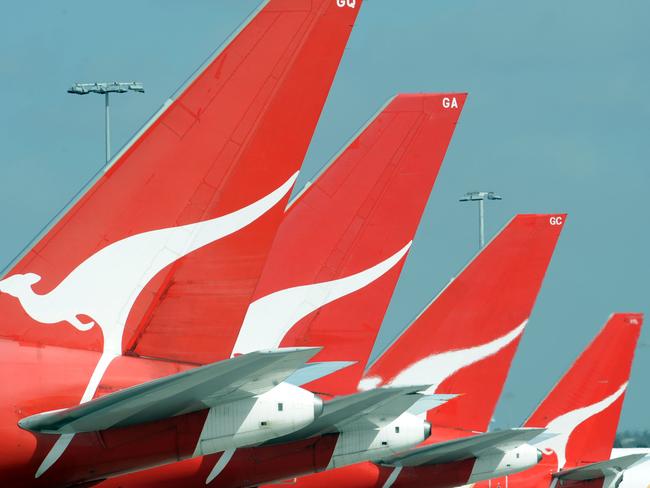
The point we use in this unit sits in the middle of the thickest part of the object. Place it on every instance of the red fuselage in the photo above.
(52, 377)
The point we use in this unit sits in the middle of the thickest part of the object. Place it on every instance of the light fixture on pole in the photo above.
(106, 88)
(480, 197)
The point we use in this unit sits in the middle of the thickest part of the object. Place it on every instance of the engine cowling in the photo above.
(277, 412)
(356, 445)
(496, 463)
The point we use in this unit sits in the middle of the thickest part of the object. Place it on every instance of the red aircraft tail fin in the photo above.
(583, 409)
(190, 207)
(336, 258)
(464, 340)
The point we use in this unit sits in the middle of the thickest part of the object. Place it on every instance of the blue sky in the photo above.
(556, 120)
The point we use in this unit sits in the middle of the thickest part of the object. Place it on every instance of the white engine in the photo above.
(356, 445)
(280, 411)
(496, 463)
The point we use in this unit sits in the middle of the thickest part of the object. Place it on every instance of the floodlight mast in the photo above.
(106, 88)
(480, 197)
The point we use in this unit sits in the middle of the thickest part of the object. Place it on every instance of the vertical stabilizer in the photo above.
(464, 340)
(163, 251)
(584, 407)
(339, 251)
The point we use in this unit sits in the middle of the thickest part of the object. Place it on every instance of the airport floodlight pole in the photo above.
(106, 88)
(480, 197)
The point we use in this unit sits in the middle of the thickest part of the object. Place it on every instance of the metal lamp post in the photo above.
(480, 197)
(106, 88)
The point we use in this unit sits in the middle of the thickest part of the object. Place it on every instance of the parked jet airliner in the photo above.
(181, 220)
(581, 416)
(473, 326)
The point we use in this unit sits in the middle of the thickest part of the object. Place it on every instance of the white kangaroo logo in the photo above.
(436, 368)
(269, 318)
(105, 286)
(565, 424)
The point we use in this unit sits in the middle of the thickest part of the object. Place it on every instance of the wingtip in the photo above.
(302, 353)
(292, 349)
(410, 389)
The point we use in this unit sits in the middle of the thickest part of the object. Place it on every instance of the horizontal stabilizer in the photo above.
(225, 381)
(427, 403)
(464, 448)
(599, 470)
(389, 410)
(314, 371)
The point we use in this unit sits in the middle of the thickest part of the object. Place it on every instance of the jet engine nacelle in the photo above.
(280, 411)
(496, 463)
(357, 444)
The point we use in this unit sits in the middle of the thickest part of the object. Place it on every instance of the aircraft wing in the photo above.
(224, 381)
(599, 470)
(464, 448)
(366, 409)
(316, 370)
(389, 410)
